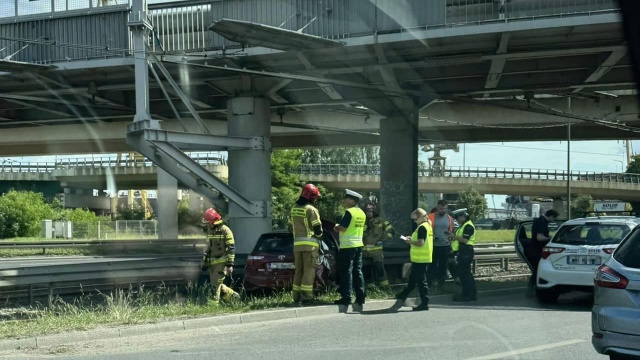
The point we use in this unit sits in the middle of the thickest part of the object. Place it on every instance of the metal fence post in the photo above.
(98, 230)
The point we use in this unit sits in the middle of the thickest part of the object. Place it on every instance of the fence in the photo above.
(183, 26)
(474, 172)
(121, 229)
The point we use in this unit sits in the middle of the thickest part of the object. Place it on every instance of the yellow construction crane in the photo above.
(135, 159)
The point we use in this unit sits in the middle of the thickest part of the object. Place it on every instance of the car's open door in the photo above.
(522, 242)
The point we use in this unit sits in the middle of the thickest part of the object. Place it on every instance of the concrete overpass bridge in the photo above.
(108, 173)
(527, 182)
(357, 72)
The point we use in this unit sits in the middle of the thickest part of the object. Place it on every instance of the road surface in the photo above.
(506, 327)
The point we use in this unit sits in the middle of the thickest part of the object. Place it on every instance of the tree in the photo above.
(581, 205)
(634, 165)
(188, 221)
(133, 212)
(475, 202)
(21, 213)
(285, 184)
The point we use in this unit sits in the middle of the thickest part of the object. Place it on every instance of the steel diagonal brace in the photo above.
(179, 92)
(150, 151)
(202, 142)
(205, 177)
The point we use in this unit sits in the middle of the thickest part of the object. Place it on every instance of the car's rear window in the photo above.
(275, 243)
(628, 253)
(591, 234)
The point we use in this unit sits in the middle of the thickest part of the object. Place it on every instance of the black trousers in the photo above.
(350, 272)
(467, 282)
(437, 271)
(417, 277)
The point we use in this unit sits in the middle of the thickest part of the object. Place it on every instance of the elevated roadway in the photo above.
(478, 71)
(104, 173)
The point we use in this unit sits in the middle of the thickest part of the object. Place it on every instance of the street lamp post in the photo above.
(621, 165)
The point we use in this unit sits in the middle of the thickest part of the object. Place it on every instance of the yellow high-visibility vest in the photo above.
(455, 245)
(422, 254)
(352, 236)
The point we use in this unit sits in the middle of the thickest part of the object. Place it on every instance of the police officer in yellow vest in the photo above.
(351, 230)
(421, 254)
(462, 247)
(307, 229)
(377, 230)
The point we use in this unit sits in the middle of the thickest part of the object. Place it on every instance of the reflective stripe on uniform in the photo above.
(296, 287)
(220, 260)
(372, 248)
(306, 288)
(299, 241)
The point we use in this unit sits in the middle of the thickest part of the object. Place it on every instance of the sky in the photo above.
(598, 156)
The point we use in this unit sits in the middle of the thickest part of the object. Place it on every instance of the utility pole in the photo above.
(569, 162)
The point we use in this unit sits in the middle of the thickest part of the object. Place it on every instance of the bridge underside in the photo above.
(496, 82)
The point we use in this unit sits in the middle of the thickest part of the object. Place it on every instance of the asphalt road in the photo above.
(507, 327)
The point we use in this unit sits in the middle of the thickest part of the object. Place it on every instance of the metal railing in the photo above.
(12, 166)
(474, 172)
(183, 26)
(15, 8)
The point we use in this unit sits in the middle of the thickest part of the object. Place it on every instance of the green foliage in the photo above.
(21, 213)
(581, 205)
(355, 155)
(80, 216)
(329, 205)
(634, 165)
(188, 221)
(475, 202)
(285, 184)
(134, 212)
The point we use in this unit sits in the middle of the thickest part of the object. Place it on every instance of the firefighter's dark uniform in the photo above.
(377, 231)
(464, 254)
(221, 254)
(303, 219)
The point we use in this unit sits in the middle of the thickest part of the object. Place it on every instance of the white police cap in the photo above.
(352, 194)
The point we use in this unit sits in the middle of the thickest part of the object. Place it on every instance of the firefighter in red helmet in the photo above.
(377, 230)
(307, 230)
(220, 254)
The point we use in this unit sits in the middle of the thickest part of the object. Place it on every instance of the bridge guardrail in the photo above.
(11, 166)
(183, 26)
(454, 172)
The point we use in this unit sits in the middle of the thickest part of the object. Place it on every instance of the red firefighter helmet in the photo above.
(310, 192)
(211, 216)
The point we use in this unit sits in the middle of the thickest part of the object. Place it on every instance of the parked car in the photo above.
(270, 265)
(615, 319)
(577, 249)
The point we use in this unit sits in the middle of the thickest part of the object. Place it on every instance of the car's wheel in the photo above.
(547, 296)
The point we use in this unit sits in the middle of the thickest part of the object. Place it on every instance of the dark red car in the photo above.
(270, 264)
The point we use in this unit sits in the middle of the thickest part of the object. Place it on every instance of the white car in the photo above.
(577, 249)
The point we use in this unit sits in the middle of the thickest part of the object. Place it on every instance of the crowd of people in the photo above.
(436, 247)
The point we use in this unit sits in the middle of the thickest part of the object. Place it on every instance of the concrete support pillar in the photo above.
(249, 169)
(399, 172)
(560, 207)
(167, 206)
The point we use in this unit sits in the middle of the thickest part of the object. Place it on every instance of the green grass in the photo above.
(128, 308)
(495, 236)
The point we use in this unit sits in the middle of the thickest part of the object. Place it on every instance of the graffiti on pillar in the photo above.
(396, 204)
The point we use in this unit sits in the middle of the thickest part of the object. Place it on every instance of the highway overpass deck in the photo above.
(488, 67)
(99, 173)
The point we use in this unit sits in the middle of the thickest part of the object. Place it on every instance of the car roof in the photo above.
(629, 220)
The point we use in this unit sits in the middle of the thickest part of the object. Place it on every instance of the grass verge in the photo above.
(139, 307)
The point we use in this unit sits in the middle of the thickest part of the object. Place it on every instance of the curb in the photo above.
(207, 322)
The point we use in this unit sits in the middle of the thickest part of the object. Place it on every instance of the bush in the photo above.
(21, 213)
